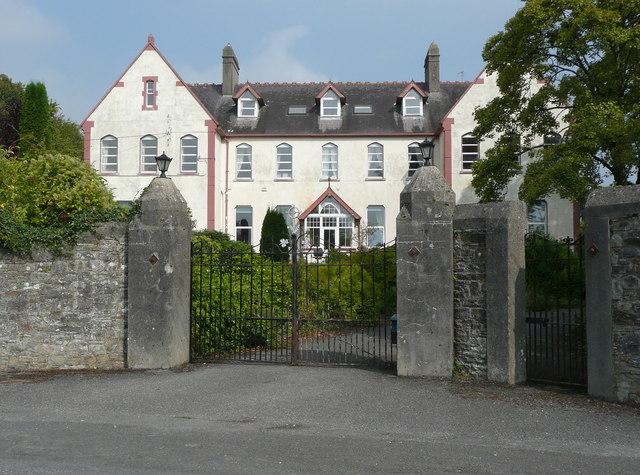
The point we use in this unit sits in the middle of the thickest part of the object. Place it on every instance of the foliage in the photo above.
(48, 199)
(241, 299)
(554, 273)
(10, 106)
(274, 231)
(65, 135)
(588, 54)
(35, 119)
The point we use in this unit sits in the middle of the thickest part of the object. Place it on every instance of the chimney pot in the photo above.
(432, 68)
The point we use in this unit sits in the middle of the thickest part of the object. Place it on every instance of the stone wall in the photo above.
(65, 312)
(625, 300)
(470, 301)
(612, 263)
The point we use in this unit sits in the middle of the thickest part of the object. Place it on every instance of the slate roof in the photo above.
(274, 119)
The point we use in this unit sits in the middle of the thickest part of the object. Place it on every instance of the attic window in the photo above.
(330, 105)
(362, 110)
(412, 104)
(297, 110)
(247, 105)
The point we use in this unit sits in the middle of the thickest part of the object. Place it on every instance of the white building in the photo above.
(332, 157)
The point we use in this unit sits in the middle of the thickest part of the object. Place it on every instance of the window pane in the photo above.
(415, 159)
(284, 161)
(243, 161)
(375, 225)
(244, 223)
(329, 161)
(376, 165)
(149, 152)
(189, 154)
(109, 155)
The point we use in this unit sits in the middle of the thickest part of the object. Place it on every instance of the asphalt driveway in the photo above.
(234, 418)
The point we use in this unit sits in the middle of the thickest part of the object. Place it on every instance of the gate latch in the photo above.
(593, 250)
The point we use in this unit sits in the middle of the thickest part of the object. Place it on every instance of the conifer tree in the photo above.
(35, 119)
(273, 235)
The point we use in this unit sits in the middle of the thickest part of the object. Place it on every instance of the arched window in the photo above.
(284, 161)
(551, 139)
(189, 154)
(243, 162)
(329, 161)
(148, 154)
(470, 150)
(109, 154)
(329, 226)
(375, 158)
(415, 158)
(149, 93)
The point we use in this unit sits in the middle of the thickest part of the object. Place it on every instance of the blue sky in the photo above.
(78, 48)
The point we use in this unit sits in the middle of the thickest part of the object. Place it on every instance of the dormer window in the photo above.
(247, 105)
(412, 104)
(330, 105)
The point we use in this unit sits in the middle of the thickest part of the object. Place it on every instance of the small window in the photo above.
(148, 154)
(330, 105)
(109, 154)
(329, 161)
(470, 151)
(551, 139)
(537, 216)
(415, 159)
(412, 104)
(149, 93)
(297, 110)
(376, 161)
(188, 154)
(375, 225)
(244, 223)
(284, 162)
(362, 110)
(247, 105)
(243, 162)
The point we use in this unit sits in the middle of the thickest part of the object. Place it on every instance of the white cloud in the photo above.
(24, 24)
(275, 62)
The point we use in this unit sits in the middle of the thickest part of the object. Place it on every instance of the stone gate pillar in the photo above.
(612, 264)
(159, 279)
(425, 276)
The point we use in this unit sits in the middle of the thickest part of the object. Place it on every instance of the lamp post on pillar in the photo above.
(426, 149)
(163, 164)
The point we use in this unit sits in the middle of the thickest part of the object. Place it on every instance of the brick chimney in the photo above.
(432, 68)
(230, 71)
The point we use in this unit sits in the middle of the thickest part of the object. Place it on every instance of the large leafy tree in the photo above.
(569, 66)
(10, 105)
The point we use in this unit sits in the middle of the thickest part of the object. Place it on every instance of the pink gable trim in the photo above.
(87, 125)
(334, 89)
(151, 46)
(471, 84)
(243, 89)
(329, 193)
(414, 86)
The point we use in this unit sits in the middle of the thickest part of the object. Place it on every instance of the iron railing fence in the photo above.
(555, 301)
(307, 305)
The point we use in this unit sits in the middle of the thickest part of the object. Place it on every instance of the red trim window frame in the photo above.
(150, 93)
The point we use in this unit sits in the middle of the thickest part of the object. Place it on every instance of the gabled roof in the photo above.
(386, 117)
(329, 193)
(151, 46)
(412, 86)
(245, 88)
(335, 90)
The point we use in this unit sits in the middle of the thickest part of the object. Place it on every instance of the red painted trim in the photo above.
(180, 83)
(413, 134)
(326, 194)
(87, 125)
(414, 86)
(447, 154)
(119, 84)
(471, 84)
(211, 173)
(226, 192)
(146, 79)
(479, 81)
(151, 46)
(243, 89)
(334, 89)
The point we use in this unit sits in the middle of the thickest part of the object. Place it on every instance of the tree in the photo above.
(587, 54)
(274, 231)
(35, 119)
(10, 105)
(65, 134)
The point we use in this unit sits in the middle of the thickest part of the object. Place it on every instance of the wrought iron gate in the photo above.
(555, 299)
(293, 305)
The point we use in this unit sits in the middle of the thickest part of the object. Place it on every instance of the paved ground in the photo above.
(228, 419)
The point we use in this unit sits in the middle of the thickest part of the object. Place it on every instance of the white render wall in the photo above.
(560, 212)
(265, 191)
(120, 114)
